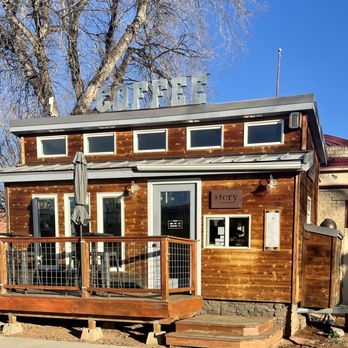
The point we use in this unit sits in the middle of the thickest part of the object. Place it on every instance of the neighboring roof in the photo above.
(190, 114)
(331, 140)
(325, 231)
(299, 161)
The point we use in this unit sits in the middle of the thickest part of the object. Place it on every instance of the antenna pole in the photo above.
(278, 71)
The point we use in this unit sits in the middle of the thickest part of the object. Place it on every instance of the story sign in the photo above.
(226, 199)
(118, 98)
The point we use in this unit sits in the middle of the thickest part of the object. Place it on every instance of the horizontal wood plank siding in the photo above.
(20, 196)
(251, 274)
(233, 145)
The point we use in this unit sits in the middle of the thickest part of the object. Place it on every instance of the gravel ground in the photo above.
(120, 334)
(134, 335)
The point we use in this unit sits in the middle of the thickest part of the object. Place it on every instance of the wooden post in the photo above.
(3, 268)
(165, 268)
(84, 268)
(12, 319)
(92, 324)
(194, 267)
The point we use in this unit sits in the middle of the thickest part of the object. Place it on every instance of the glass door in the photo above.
(174, 214)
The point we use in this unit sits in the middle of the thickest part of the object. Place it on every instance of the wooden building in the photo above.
(240, 179)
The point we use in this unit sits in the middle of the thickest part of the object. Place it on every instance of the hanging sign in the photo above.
(226, 199)
(118, 98)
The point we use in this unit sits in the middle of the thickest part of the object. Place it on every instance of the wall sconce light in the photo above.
(132, 189)
(272, 183)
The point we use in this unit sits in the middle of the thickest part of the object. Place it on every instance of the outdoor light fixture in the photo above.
(132, 189)
(272, 183)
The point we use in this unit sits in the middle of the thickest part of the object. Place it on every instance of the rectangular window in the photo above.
(99, 144)
(227, 231)
(150, 140)
(72, 229)
(110, 210)
(264, 133)
(45, 224)
(55, 146)
(206, 137)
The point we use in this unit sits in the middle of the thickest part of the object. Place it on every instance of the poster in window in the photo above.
(272, 229)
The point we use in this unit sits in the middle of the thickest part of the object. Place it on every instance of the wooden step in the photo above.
(194, 339)
(225, 325)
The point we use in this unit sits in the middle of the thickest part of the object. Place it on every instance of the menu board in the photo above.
(272, 229)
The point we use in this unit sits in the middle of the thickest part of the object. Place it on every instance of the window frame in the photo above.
(197, 128)
(149, 131)
(97, 135)
(309, 210)
(227, 222)
(39, 147)
(262, 123)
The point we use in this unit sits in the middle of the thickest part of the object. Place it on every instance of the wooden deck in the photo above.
(43, 277)
(114, 308)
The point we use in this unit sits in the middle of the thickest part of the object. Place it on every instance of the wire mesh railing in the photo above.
(98, 265)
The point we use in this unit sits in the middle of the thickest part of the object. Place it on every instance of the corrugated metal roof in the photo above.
(179, 162)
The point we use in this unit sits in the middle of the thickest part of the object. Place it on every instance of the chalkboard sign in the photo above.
(272, 229)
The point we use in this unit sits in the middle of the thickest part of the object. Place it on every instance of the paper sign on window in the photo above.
(272, 229)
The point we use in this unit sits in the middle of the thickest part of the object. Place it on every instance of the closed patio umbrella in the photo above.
(80, 214)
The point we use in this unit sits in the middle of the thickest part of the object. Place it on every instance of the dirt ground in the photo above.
(134, 335)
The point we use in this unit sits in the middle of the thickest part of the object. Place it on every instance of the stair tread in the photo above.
(265, 335)
(221, 320)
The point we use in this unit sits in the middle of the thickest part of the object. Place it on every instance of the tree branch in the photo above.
(109, 59)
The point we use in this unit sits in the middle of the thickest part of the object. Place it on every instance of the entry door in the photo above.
(174, 214)
(174, 207)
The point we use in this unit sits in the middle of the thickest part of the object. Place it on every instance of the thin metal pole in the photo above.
(278, 71)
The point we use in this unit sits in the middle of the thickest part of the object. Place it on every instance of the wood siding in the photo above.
(251, 274)
(20, 197)
(233, 145)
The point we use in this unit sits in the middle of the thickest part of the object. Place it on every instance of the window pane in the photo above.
(46, 211)
(205, 137)
(112, 215)
(101, 144)
(239, 232)
(53, 146)
(216, 231)
(152, 141)
(75, 229)
(266, 133)
(175, 213)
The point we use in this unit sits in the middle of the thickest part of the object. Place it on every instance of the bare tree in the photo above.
(64, 50)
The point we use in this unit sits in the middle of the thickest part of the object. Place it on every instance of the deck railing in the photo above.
(98, 265)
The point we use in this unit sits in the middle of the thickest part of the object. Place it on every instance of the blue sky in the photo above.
(313, 35)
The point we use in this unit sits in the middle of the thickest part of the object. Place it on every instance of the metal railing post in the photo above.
(165, 268)
(3, 267)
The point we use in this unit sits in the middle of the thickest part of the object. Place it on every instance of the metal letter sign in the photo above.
(117, 99)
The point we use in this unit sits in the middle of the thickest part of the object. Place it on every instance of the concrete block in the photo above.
(91, 335)
(12, 329)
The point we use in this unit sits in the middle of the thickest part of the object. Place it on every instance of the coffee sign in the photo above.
(221, 199)
(118, 98)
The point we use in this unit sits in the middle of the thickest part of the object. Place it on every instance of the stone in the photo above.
(156, 338)
(337, 332)
(12, 329)
(91, 335)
